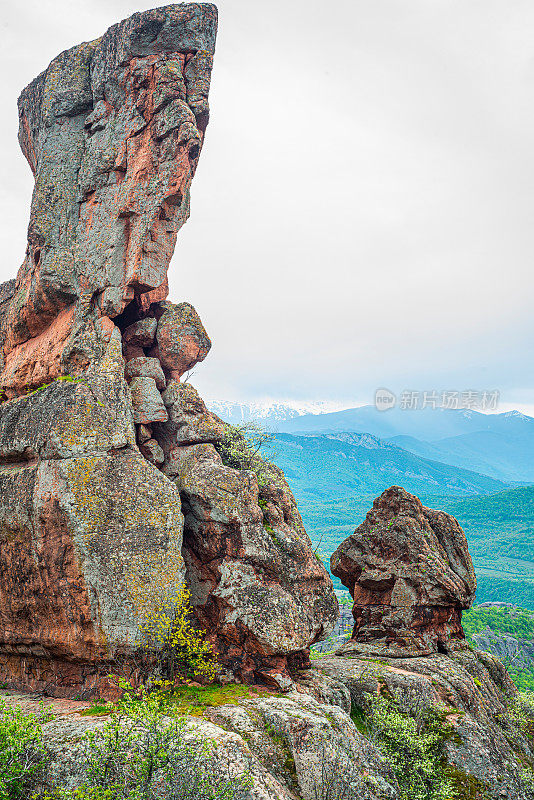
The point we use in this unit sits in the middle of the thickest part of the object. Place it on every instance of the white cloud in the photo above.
(361, 213)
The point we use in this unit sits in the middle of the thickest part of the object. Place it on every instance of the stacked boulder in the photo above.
(410, 574)
(156, 349)
(110, 476)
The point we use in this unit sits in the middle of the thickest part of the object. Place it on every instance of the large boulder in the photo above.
(84, 519)
(181, 338)
(409, 571)
(285, 747)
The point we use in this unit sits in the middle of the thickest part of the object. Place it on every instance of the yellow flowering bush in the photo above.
(166, 629)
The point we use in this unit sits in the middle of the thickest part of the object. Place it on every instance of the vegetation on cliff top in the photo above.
(22, 750)
(246, 447)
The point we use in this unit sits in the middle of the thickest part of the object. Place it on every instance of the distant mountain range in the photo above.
(427, 424)
(464, 462)
(499, 454)
(500, 446)
(268, 413)
(347, 464)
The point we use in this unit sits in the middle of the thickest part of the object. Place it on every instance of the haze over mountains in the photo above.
(347, 464)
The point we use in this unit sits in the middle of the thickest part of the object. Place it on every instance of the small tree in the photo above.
(412, 744)
(145, 753)
(167, 634)
(243, 447)
(22, 750)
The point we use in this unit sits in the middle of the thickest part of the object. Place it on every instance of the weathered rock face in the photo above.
(409, 571)
(257, 587)
(292, 746)
(306, 745)
(83, 517)
(112, 131)
(486, 753)
(94, 419)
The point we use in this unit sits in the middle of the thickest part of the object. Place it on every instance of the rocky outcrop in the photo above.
(289, 747)
(486, 753)
(409, 571)
(257, 587)
(322, 740)
(94, 418)
(410, 574)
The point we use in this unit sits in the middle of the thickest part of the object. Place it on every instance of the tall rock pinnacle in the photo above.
(103, 451)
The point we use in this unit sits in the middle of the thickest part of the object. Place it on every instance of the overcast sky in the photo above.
(362, 212)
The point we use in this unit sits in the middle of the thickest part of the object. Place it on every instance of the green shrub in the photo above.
(22, 751)
(520, 715)
(413, 747)
(142, 753)
(241, 448)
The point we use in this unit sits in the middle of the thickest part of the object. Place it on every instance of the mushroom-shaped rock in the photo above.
(146, 401)
(409, 571)
(181, 338)
(145, 367)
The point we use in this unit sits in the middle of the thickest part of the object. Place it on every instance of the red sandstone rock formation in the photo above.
(410, 574)
(98, 437)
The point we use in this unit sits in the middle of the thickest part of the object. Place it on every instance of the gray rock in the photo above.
(290, 747)
(474, 692)
(257, 587)
(145, 367)
(141, 333)
(152, 452)
(146, 401)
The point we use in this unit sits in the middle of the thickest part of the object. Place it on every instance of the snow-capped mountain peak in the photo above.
(268, 412)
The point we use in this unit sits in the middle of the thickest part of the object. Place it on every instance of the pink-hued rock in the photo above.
(146, 401)
(145, 367)
(409, 571)
(182, 340)
(112, 131)
(69, 470)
